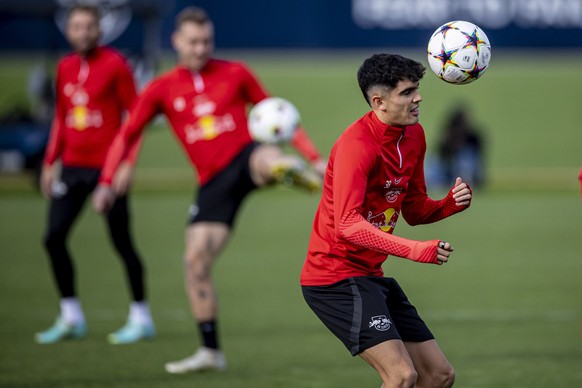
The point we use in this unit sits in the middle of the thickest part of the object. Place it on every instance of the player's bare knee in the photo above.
(441, 378)
(263, 155)
(408, 378)
(404, 378)
(197, 265)
(261, 162)
(450, 378)
(444, 378)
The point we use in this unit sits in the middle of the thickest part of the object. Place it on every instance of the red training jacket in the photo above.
(375, 173)
(207, 111)
(92, 93)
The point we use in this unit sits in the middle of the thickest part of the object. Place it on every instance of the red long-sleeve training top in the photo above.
(207, 111)
(92, 94)
(375, 173)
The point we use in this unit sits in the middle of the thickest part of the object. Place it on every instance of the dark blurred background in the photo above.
(30, 24)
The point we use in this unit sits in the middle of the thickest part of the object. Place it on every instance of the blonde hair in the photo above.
(192, 15)
(91, 9)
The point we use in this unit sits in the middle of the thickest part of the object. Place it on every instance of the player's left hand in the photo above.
(123, 179)
(319, 166)
(47, 178)
(462, 193)
(444, 251)
(103, 198)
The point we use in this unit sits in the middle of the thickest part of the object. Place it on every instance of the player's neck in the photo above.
(192, 69)
(384, 120)
(87, 53)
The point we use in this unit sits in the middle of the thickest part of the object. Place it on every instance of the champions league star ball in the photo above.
(273, 120)
(459, 52)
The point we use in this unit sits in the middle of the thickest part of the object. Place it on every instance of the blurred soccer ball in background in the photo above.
(459, 52)
(273, 120)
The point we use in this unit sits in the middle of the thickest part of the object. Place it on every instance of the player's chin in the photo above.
(83, 47)
(412, 119)
(197, 63)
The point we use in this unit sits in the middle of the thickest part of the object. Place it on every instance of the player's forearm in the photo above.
(53, 148)
(133, 152)
(426, 210)
(115, 156)
(302, 143)
(358, 231)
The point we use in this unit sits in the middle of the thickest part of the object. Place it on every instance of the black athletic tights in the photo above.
(69, 196)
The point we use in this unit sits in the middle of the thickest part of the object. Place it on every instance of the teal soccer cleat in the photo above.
(60, 331)
(132, 332)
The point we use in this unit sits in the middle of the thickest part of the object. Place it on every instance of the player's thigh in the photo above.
(119, 212)
(391, 359)
(63, 212)
(67, 200)
(205, 240)
(429, 361)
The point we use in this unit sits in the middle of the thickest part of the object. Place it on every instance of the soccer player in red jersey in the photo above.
(206, 102)
(94, 87)
(375, 173)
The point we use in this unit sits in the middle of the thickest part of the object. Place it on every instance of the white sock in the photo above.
(139, 312)
(71, 311)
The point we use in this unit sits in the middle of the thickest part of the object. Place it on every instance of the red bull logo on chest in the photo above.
(385, 221)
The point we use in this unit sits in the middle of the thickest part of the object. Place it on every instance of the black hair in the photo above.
(386, 70)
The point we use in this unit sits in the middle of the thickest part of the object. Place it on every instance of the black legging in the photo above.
(63, 212)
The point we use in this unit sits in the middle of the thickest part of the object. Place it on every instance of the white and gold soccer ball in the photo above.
(273, 120)
(459, 52)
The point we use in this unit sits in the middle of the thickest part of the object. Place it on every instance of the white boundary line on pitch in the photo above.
(491, 316)
(502, 315)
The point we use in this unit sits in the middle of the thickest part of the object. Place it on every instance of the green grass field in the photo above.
(507, 311)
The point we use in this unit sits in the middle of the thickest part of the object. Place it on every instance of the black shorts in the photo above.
(220, 198)
(75, 184)
(364, 311)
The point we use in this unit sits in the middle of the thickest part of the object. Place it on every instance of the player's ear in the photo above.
(175, 39)
(377, 102)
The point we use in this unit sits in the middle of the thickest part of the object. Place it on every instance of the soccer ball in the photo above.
(459, 52)
(273, 120)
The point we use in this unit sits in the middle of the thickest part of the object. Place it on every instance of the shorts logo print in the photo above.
(59, 189)
(193, 210)
(380, 323)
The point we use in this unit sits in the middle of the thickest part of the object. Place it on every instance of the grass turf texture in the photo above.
(506, 311)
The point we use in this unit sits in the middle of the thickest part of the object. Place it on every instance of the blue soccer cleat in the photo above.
(60, 331)
(132, 332)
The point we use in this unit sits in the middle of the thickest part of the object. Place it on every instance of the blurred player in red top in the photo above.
(375, 173)
(206, 101)
(94, 87)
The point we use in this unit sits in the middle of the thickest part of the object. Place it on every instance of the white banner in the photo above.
(491, 14)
